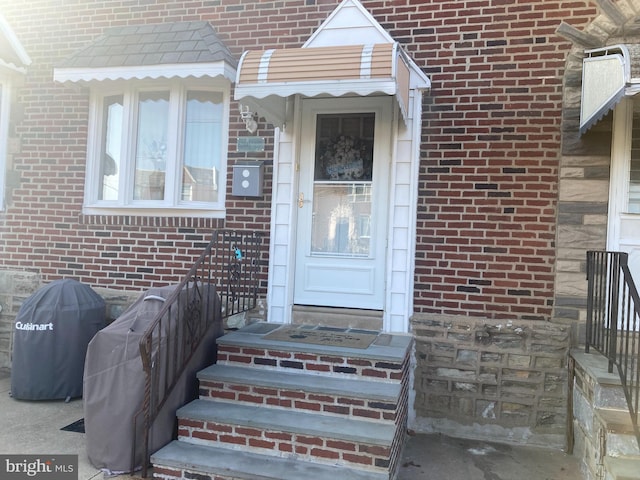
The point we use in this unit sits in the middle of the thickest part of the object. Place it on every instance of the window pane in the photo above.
(151, 150)
(341, 219)
(634, 174)
(110, 166)
(344, 147)
(202, 137)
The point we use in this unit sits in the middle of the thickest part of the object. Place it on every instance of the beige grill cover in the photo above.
(114, 380)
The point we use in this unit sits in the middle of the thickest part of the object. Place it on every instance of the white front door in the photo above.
(624, 192)
(344, 165)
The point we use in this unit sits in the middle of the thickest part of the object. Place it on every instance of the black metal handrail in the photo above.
(224, 278)
(613, 321)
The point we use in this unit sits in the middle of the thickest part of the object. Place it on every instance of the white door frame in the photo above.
(401, 224)
(362, 279)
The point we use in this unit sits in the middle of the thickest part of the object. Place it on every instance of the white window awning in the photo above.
(265, 79)
(607, 77)
(13, 57)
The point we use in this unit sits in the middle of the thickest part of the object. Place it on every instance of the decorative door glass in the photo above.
(342, 185)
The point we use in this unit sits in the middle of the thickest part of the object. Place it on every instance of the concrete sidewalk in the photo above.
(35, 428)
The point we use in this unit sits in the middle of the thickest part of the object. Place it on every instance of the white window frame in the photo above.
(172, 205)
(5, 116)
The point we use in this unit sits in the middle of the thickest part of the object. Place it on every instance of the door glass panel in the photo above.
(342, 185)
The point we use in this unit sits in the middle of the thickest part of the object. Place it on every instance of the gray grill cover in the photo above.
(114, 383)
(51, 333)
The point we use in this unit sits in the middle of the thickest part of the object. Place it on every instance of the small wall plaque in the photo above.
(250, 144)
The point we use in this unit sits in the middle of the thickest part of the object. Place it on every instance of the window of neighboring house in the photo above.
(158, 147)
(633, 205)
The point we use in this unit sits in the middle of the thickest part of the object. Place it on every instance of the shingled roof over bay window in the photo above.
(168, 50)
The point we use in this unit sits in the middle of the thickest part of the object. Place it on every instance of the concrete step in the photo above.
(279, 432)
(179, 460)
(353, 397)
(604, 389)
(622, 468)
(386, 359)
(620, 436)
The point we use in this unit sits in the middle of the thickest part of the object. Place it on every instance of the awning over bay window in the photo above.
(167, 50)
(608, 75)
(265, 79)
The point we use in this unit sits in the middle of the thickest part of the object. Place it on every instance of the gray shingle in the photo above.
(139, 45)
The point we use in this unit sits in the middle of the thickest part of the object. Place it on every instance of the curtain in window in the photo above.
(151, 150)
(202, 146)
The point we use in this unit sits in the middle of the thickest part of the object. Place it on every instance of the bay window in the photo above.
(158, 146)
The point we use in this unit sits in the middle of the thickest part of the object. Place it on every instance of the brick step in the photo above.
(385, 359)
(352, 397)
(621, 439)
(180, 460)
(278, 432)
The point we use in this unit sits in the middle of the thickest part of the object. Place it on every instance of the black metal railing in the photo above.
(224, 278)
(613, 321)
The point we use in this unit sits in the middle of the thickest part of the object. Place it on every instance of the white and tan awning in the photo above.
(608, 75)
(265, 79)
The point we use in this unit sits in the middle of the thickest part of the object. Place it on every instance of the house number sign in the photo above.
(250, 144)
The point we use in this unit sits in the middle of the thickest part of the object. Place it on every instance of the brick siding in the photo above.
(488, 180)
(491, 155)
(309, 362)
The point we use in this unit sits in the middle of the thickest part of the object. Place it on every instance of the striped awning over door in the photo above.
(266, 78)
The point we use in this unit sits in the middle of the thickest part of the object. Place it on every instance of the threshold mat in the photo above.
(334, 337)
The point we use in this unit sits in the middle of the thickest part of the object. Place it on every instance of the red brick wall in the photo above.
(488, 176)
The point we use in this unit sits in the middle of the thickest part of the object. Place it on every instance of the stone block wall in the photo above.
(490, 379)
(15, 288)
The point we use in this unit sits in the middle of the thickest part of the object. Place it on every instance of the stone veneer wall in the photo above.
(507, 380)
(489, 379)
(583, 181)
(17, 286)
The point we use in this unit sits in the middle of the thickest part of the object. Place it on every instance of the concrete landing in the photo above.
(389, 347)
(34, 428)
